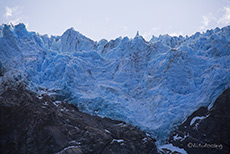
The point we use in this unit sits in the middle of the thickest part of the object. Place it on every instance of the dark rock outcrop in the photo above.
(1, 69)
(32, 124)
(206, 131)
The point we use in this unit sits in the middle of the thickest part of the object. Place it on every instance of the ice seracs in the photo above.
(153, 84)
(72, 40)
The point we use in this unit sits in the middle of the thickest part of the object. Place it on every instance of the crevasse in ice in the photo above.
(152, 84)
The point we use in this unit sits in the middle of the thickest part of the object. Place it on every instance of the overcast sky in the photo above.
(109, 19)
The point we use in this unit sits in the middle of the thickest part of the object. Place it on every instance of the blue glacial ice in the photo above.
(153, 85)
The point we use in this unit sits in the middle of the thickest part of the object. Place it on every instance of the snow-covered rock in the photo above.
(154, 85)
(205, 130)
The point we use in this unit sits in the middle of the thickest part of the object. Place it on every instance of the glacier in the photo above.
(154, 85)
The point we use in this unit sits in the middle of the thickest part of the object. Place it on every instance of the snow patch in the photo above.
(197, 118)
(172, 148)
(56, 103)
(177, 137)
(117, 140)
(107, 131)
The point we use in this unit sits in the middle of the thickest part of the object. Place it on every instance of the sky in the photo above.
(109, 19)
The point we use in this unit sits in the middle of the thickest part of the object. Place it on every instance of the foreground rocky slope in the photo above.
(206, 131)
(35, 124)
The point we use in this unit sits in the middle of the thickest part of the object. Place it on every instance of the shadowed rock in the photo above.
(206, 131)
(32, 124)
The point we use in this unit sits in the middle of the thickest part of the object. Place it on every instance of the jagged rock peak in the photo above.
(137, 35)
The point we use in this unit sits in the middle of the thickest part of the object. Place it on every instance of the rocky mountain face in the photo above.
(36, 124)
(206, 131)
